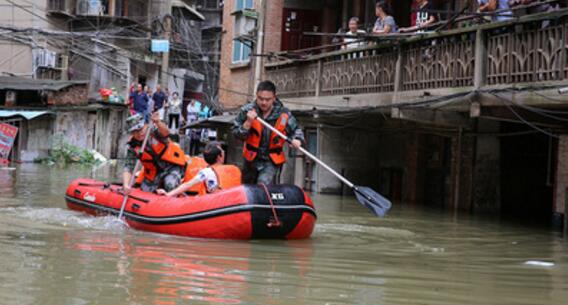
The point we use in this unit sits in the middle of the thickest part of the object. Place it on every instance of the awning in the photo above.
(26, 114)
(213, 122)
(193, 11)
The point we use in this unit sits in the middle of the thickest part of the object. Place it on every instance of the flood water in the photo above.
(51, 255)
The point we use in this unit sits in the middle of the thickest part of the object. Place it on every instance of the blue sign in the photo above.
(160, 46)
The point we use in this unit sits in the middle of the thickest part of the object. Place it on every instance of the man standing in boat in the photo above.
(163, 160)
(263, 149)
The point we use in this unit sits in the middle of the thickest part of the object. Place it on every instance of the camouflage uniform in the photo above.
(262, 170)
(169, 175)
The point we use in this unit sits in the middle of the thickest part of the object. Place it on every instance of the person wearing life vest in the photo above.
(163, 161)
(263, 149)
(214, 177)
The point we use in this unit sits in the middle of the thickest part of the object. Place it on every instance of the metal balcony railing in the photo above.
(527, 49)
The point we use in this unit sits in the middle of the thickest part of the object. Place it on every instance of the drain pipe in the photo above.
(259, 67)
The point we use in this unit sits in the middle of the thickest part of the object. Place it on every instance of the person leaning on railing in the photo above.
(527, 7)
(424, 16)
(385, 23)
(500, 8)
(353, 42)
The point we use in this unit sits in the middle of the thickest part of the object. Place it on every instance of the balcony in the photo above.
(85, 14)
(63, 8)
(527, 51)
(209, 5)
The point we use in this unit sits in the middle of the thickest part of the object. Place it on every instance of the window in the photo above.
(241, 52)
(243, 4)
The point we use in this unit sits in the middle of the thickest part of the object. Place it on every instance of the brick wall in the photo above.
(74, 95)
(273, 26)
(237, 80)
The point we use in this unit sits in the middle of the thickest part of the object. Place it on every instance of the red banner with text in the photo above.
(7, 135)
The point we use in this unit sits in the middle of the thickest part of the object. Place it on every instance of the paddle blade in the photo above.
(378, 204)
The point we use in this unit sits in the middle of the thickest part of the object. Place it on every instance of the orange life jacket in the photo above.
(228, 176)
(194, 165)
(276, 143)
(155, 151)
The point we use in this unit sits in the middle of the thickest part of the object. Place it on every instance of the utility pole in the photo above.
(259, 59)
(166, 55)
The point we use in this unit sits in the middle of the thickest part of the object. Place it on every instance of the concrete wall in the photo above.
(487, 172)
(73, 126)
(16, 57)
(110, 132)
(561, 181)
(38, 135)
(350, 152)
(177, 83)
(101, 130)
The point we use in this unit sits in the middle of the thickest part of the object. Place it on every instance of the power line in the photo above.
(508, 103)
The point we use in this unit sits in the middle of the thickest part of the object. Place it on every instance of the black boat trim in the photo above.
(232, 209)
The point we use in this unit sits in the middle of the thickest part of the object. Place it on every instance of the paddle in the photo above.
(136, 169)
(378, 204)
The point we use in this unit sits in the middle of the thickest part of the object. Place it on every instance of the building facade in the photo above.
(102, 44)
(464, 116)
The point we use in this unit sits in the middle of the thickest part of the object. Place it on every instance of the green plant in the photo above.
(62, 152)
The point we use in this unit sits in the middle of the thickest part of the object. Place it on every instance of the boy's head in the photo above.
(213, 152)
(353, 24)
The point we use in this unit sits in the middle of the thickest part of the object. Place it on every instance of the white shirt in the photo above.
(192, 113)
(208, 176)
(175, 106)
(353, 43)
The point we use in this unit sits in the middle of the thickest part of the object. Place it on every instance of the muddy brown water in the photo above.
(51, 255)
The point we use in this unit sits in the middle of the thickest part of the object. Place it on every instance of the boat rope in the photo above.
(274, 222)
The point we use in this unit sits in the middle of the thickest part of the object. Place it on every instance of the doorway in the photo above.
(526, 175)
(295, 22)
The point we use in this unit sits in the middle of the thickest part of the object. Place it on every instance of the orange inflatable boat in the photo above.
(241, 212)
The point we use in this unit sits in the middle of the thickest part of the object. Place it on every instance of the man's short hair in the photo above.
(356, 19)
(211, 152)
(266, 86)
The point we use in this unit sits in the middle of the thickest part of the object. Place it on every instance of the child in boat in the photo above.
(214, 156)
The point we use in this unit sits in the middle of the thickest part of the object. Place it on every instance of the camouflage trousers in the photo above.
(168, 180)
(261, 172)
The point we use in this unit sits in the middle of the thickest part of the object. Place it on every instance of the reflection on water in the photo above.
(51, 255)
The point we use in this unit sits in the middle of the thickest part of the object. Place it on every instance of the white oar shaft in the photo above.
(307, 153)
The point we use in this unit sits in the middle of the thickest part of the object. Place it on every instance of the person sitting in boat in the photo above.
(214, 177)
(163, 160)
